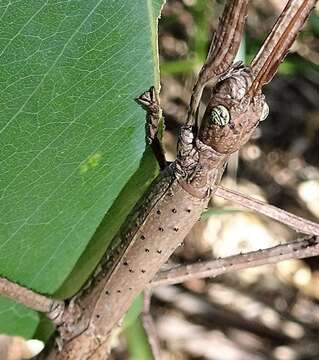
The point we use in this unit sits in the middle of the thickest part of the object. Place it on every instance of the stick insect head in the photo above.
(237, 104)
(231, 115)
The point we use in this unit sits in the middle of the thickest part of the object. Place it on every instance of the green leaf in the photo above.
(134, 312)
(105, 233)
(137, 342)
(71, 135)
(17, 320)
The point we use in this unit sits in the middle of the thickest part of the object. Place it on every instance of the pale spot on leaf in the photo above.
(91, 162)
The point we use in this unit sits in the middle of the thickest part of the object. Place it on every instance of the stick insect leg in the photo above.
(301, 248)
(296, 222)
(149, 101)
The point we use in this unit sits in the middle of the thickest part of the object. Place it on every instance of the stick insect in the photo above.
(181, 192)
(177, 197)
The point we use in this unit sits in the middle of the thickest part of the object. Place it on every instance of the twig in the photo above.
(302, 248)
(277, 44)
(222, 52)
(51, 307)
(149, 326)
(296, 222)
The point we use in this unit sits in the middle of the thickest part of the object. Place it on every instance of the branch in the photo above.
(301, 248)
(32, 300)
(296, 222)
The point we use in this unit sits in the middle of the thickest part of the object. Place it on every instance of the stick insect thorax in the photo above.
(230, 119)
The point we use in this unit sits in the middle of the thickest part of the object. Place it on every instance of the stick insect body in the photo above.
(177, 197)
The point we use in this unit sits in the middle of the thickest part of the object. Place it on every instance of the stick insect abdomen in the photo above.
(164, 229)
(171, 214)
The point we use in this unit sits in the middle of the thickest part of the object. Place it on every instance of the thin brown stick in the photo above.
(222, 53)
(302, 248)
(296, 222)
(32, 300)
(278, 42)
(149, 326)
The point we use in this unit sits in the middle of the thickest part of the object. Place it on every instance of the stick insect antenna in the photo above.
(278, 42)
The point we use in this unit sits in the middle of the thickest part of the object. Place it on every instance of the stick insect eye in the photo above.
(220, 115)
(264, 112)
